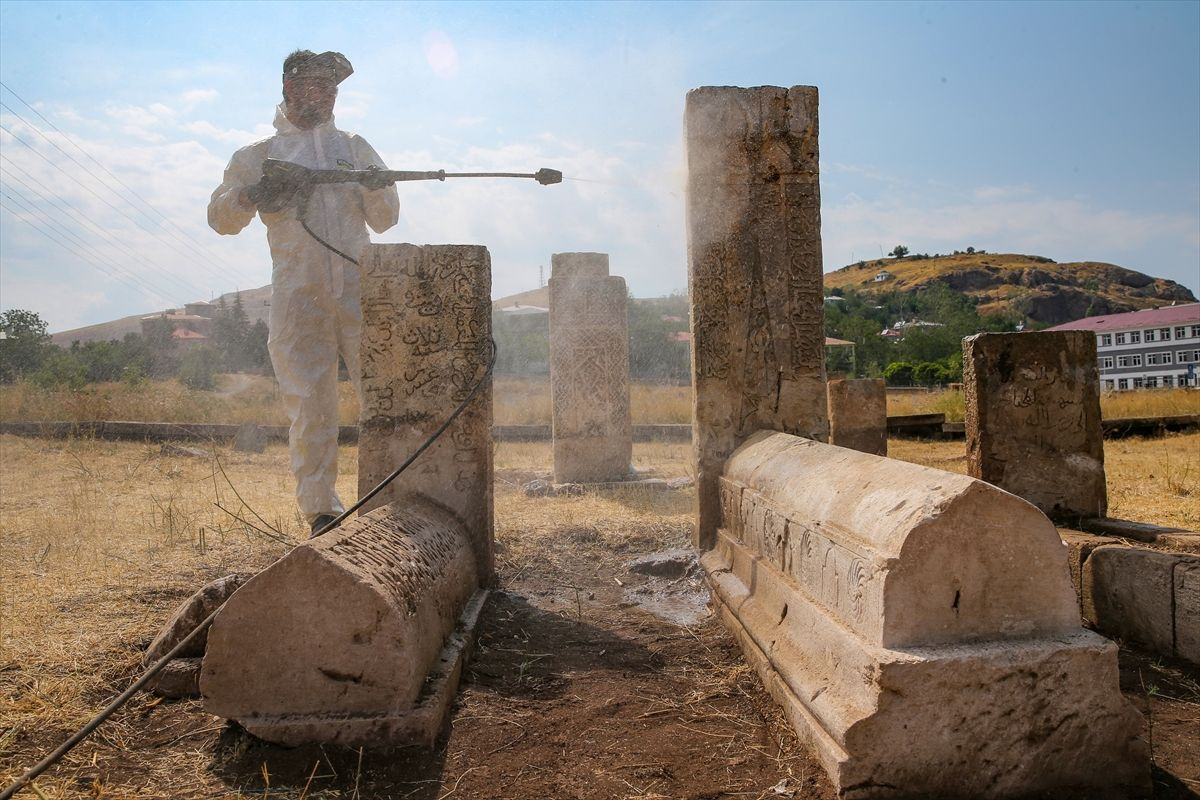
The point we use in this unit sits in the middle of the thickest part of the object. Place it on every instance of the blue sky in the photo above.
(1069, 130)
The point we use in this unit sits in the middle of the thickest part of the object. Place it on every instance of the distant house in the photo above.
(882, 275)
(200, 308)
(1149, 349)
(902, 327)
(186, 338)
(518, 310)
(188, 328)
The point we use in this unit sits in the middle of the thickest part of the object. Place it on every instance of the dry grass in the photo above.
(100, 540)
(251, 398)
(1149, 479)
(1113, 405)
(526, 401)
(238, 398)
(1152, 403)
(947, 401)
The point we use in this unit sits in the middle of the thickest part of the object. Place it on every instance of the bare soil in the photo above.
(576, 690)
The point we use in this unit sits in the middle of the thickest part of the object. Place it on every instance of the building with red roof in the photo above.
(1149, 349)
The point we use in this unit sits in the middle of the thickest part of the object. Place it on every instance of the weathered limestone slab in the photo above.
(178, 680)
(858, 415)
(1033, 419)
(355, 637)
(1187, 610)
(187, 616)
(919, 627)
(426, 341)
(754, 267)
(1149, 598)
(1177, 539)
(1079, 549)
(589, 370)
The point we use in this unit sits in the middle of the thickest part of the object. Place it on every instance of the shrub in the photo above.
(198, 368)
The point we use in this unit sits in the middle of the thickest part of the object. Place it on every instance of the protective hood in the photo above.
(284, 126)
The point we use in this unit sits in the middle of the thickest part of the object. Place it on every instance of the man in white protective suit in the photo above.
(315, 311)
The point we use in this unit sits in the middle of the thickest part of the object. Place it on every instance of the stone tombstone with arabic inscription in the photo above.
(1033, 419)
(589, 370)
(426, 343)
(754, 264)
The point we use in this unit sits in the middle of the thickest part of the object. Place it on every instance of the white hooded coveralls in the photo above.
(315, 297)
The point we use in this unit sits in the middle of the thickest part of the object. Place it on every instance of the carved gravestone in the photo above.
(754, 264)
(858, 415)
(1033, 419)
(589, 370)
(426, 342)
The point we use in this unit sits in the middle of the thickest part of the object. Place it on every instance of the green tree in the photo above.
(231, 336)
(161, 350)
(60, 369)
(198, 368)
(24, 343)
(900, 251)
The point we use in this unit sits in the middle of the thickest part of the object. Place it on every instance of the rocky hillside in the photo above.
(1031, 287)
(256, 303)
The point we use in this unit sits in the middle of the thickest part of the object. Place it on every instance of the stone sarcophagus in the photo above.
(350, 638)
(919, 627)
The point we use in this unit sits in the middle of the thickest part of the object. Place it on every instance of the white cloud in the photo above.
(194, 97)
(231, 135)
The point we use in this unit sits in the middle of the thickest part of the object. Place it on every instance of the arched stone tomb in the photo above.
(355, 637)
(918, 627)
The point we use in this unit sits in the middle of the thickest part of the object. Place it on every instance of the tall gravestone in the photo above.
(754, 265)
(1033, 419)
(426, 342)
(589, 370)
(858, 415)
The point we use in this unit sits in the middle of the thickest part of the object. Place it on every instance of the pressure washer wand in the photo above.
(297, 175)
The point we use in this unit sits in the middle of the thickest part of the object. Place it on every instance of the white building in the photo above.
(1150, 349)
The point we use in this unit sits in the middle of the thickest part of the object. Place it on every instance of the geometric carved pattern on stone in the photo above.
(919, 627)
(335, 641)
(589, 370)
(1033, 419)
(425, 342)
(755, 273)
(858, 415)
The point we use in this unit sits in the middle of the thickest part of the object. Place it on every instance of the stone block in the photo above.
(178, 680)
(1079, 547)
(1127, 594)
(858, 415)
(918, 627)
(356, 637)
(426, 342)
(589, 370)
(1187, 609)
(187, 616)
(754, 273)
(250, 438)
(1033, 419)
